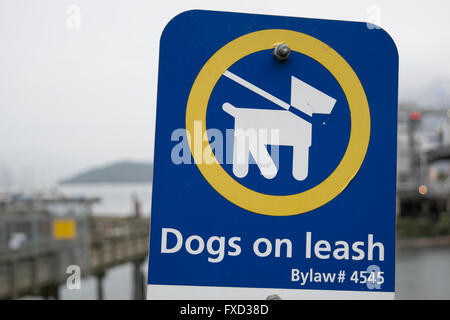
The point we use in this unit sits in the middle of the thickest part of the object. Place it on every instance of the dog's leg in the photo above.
(264, 160)
(240, 156)
(300, 161)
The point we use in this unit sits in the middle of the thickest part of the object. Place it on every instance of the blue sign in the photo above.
(274, 174)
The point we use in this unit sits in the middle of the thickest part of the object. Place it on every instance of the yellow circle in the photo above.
(352, 160)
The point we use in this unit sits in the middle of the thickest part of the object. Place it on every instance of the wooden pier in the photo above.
(39, 270)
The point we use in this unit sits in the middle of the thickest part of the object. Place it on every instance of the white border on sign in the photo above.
(173, 292)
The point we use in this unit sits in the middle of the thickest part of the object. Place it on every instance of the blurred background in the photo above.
(77, 114)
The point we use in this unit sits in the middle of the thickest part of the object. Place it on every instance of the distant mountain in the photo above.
(119, 172)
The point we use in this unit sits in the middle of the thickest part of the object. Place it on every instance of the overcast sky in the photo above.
(72, 98)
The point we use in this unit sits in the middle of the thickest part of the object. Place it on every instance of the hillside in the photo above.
(119, 172)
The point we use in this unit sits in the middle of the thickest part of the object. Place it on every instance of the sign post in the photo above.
(275, 159)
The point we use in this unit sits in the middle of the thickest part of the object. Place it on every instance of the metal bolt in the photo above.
(273, 297)
(281, 51)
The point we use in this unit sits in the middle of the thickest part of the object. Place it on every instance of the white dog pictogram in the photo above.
(252, 128)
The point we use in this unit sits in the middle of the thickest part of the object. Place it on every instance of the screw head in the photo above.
(273, 297)
(281, 51)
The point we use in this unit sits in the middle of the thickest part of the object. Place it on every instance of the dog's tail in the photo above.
(230, 109)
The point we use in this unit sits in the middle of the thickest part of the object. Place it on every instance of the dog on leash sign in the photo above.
(275, 159)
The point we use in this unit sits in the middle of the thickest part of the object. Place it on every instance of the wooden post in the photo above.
(100, 295)
(137, 206)
(12, 279)
(138, 283)
(54, 291)
(34, 274)
(49, 291)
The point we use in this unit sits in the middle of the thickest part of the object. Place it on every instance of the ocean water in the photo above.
(423, 273)
(116, 199)
(420, 273)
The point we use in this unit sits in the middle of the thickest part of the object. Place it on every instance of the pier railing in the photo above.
(39, 268)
